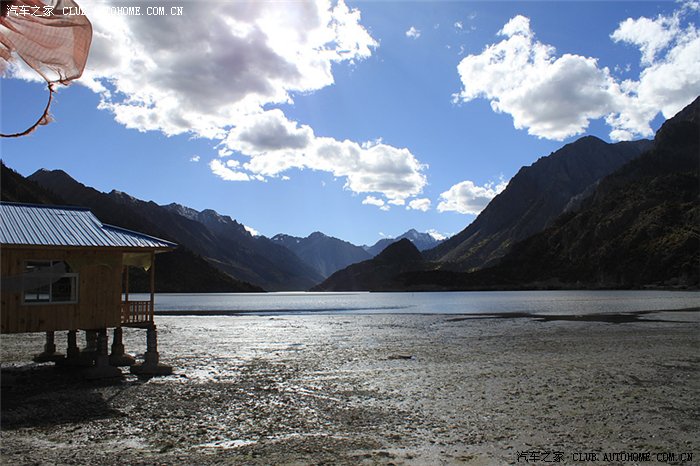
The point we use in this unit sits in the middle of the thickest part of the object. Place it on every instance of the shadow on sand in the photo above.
(40, 394)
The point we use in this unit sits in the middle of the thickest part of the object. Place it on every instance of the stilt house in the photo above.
(63, 269)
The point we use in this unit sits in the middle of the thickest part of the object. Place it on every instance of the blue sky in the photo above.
(357, 119)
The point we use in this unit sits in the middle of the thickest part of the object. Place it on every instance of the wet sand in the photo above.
(370, 389)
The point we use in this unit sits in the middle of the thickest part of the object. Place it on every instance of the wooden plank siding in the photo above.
(99, 291)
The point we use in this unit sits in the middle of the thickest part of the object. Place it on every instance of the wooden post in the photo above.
(49, 354)
(73, 355)
(90, 341)
(102, 369)
(119, 357)
(153, 285)
(126, 283)
(151, 365)
(126, 313)
(73, 352)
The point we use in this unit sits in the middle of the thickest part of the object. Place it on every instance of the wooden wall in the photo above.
(99, 292)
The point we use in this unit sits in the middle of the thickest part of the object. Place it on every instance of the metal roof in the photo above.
(44, 225)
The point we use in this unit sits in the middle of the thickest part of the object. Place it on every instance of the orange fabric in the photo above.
(54, 44)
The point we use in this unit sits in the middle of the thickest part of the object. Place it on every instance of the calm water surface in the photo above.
(553, 302)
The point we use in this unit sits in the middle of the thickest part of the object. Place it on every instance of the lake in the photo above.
(472, 302)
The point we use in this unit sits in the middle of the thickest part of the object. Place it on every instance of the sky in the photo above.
(357, 119)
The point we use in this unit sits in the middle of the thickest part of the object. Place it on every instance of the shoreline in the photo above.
(611, 317)
(371, 389)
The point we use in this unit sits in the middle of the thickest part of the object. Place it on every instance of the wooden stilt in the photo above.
(118, 356)
(74, 358)
(151, 364)
(49, 354)
(102, 368)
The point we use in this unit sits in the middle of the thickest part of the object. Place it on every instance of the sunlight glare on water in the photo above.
(560, 302)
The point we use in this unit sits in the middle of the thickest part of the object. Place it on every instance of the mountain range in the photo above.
(179, 271)
(226, 256)
(590, 215)
(533, 199)
(637, 227)
(324, 254)
(222, 241)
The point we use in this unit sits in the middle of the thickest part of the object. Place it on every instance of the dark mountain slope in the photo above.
(228, 246)
(258, 258)
(16, 188)
(640, 228)
(324, 253)
(377, 274)
(178, 271)
(533, 199)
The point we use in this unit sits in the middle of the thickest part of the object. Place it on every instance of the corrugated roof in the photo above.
(42, 225)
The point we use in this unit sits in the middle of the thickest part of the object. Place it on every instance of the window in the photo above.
(49, 282)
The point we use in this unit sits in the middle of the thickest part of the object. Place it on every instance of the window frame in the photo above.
(73, 276)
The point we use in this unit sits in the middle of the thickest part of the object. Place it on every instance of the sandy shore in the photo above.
(352, 389)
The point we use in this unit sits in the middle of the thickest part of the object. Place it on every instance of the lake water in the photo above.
(541, 302)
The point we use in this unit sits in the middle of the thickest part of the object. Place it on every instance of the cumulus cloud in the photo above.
(195, 158)
(650, 35)
(556, 96)
(273, 144)
(413, 33)
(422, 204)
(200, 72)
(469, 198)
(225, 172)
(220, 73)
(371, 200)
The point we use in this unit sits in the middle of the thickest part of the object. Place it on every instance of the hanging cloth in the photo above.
(52, 37)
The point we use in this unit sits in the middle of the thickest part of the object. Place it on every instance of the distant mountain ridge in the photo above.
(222, 241)
(422, 241)
(591, 214)
(178, 271)
(325, 254)
(533, 199)
(636, 227)
(639, 228)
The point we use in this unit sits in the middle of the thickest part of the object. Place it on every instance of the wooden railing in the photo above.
(137, 312)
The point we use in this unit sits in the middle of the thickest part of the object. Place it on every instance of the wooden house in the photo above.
(64, 270)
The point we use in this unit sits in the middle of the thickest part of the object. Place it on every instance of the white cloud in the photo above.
(275, 144)
(268, 131)
(201, 72)
(371, 200)
(195, 158)
(556, 97)
(218, 73)
(422, 204)
(459, 25)
(650, 35)
(224, 172)
(413, 33)
(469, 198)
